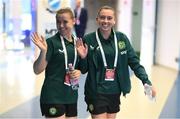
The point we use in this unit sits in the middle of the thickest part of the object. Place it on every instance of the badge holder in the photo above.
(109, 76)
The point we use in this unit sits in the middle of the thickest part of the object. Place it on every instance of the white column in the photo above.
(148, 29)
(124, 16)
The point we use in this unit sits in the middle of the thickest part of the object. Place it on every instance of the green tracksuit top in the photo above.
(54, 91)
(95, 81)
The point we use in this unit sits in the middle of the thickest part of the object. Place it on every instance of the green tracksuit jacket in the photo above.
(93, 64)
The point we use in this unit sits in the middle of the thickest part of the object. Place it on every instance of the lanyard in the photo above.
(102, 51)
(65, 52)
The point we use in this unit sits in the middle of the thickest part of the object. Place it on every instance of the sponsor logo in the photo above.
(52, 5)
(92, 48)
(61, 51)
(123, 52)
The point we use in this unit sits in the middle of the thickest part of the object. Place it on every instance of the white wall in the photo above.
(168, 33)
(148, 31)
(45, 19)
(1, 17)
(124, 17)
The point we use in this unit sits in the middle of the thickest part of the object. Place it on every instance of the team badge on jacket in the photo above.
(91, 107)
(52, 111)
(121, 45)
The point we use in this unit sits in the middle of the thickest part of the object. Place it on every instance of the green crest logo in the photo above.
(52, 110)
(91, 107)
(121, 44)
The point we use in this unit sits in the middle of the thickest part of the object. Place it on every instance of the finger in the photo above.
(82, 43)
(43, 40)
(36, 36)
(154, 93)
(79, 42)
(76, 72)
(73, 73)
(33, 38)
(86, 47)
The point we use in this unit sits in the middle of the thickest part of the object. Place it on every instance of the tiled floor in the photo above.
(20, 89)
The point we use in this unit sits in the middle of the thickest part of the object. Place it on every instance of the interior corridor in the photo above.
(20, 89)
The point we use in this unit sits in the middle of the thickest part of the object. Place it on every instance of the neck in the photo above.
(68, 37)
(105, 34)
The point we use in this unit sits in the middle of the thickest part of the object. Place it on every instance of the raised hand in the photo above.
(39, 41)
(82, 48)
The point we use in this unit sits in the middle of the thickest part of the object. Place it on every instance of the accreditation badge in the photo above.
(67, 80)
(109, 76)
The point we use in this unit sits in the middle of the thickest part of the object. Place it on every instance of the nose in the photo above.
(61, 25)
(106, 19)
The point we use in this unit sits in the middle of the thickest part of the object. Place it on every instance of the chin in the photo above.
(62, 33)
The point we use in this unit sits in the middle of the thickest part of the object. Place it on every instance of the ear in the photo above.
(96, 20)
(114, 22)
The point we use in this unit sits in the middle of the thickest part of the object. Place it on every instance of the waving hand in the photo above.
(82, 48)
(39, 41)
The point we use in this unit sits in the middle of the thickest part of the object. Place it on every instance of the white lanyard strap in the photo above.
(102, 51)
(65, 52)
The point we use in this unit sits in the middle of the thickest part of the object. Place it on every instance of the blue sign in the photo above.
(53, 5)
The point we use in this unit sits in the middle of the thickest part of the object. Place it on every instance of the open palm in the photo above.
(39, 41)
(82, 48)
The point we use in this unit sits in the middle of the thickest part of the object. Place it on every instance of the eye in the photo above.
(106, 17)
(109, 18)
(102, 17)
(65, 21)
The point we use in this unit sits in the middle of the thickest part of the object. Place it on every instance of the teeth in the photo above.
(105, 26)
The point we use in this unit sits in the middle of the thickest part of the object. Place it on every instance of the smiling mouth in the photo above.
(105, 26)
(63, 29)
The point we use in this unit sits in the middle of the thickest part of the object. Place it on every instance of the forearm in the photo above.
(41, 63)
